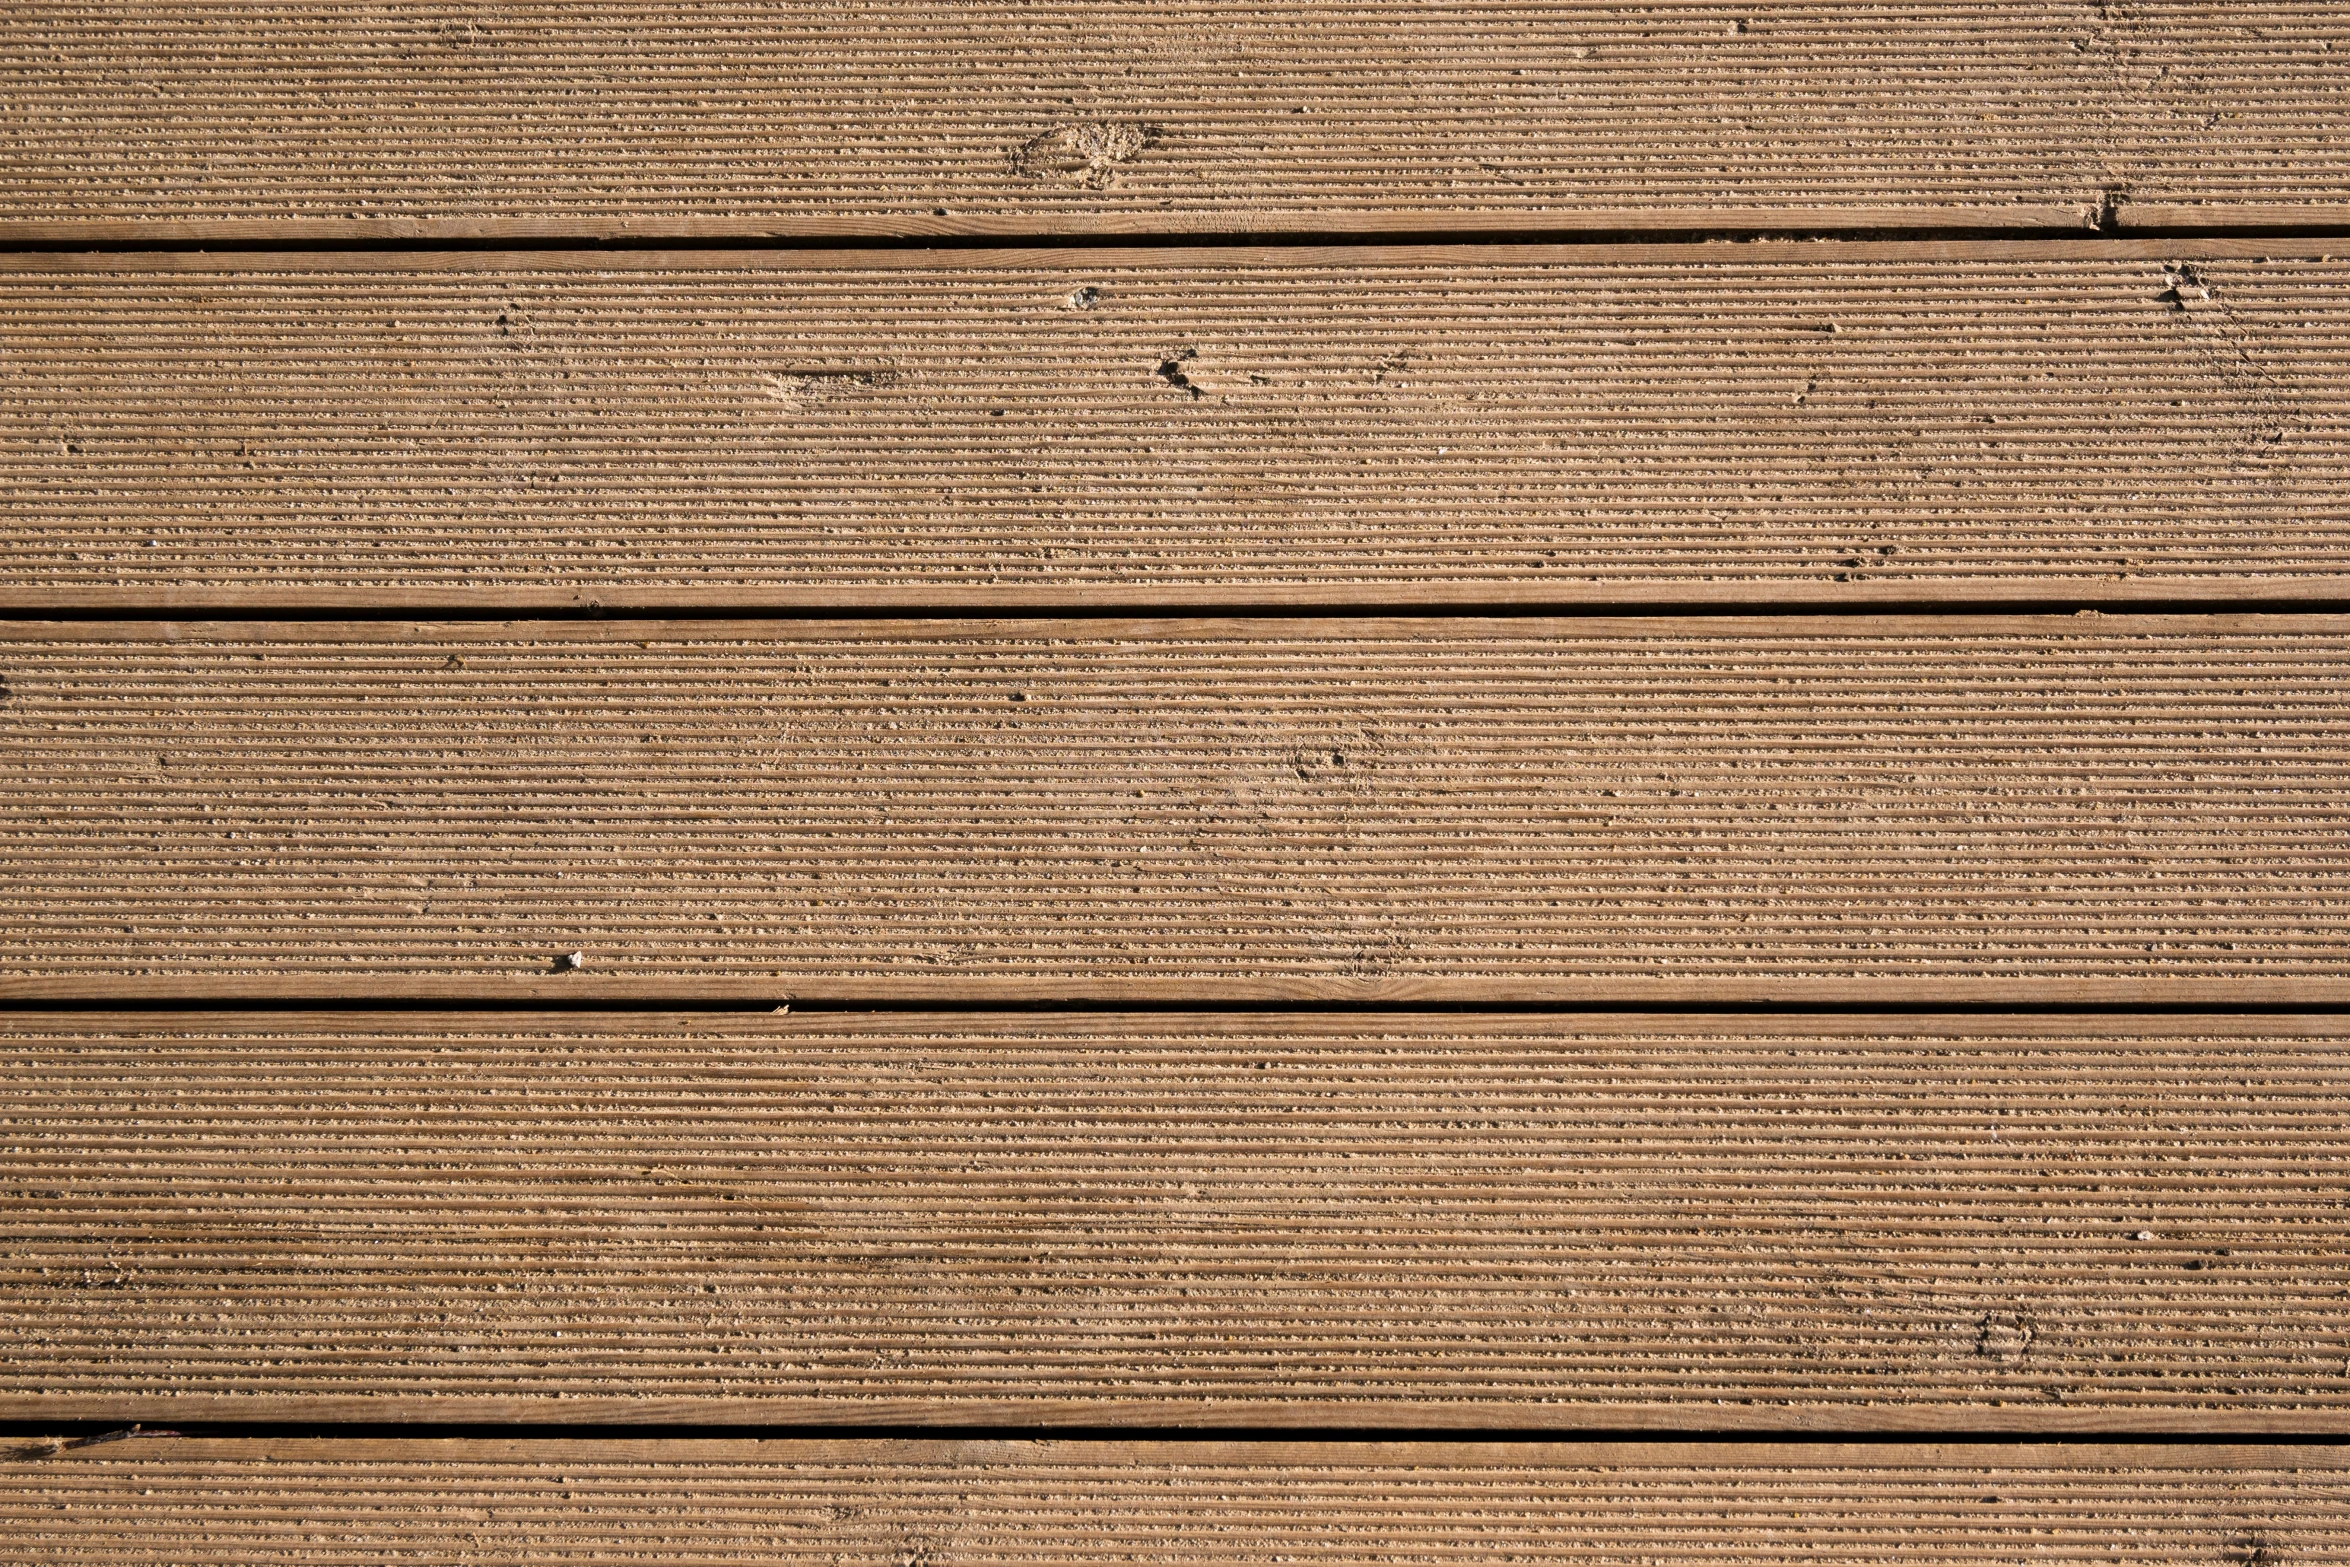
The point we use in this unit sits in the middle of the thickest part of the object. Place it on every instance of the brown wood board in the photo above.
(2020, 810)
(130, 120)
(1755, 425)
(1692, 1222)
(361, 1501)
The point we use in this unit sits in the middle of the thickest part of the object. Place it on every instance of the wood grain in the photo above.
(2005, 809)
(1827, 423)
(1585, 1223)
(363, 1502)
(139, 120)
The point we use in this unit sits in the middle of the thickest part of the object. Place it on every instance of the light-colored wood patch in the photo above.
(1822, 424)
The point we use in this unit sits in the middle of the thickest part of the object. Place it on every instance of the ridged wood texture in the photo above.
(623, 116)
(1573, 1223)
(1828, 423)
(2048, 808)
(914, 1504)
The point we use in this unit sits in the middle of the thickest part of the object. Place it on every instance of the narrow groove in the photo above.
(1610, 609)
(1270, 239)
(1078, 1431)
(1156, 1007)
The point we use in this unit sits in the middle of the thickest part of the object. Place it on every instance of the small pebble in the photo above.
(2145, 1235)
(572, 960)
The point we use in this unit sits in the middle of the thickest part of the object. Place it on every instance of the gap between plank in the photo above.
(38, 240)
(1167, 608)
(17, 1435)
(671, 252)
(670, 1006)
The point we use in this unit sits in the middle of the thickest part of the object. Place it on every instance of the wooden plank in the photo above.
(136, 119)
(361, 1502)
(1695, 1222)
(1793, 424)
(2004, 809)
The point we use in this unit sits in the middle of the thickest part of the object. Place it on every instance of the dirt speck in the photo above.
(2184, 287)
(2004, 1338)
(50, 1447)
(1087, 154)
(2252, 1549)
(1311, 765)
(1171, 372)
(799, 389)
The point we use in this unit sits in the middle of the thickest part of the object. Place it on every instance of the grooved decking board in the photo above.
(2004, 809)
(1581, 1223)
(1818, 423)
(352, 1501)
(622, 117)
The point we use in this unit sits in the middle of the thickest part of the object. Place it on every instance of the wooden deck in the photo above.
(936, 783)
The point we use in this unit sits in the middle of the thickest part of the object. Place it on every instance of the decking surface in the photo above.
(977, 783)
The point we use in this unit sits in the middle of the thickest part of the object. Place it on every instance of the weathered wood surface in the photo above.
(362, 1502)
(2012, 809)
(132, 119)
(1757, 424)
(1602, 1221)
(1695, 1222)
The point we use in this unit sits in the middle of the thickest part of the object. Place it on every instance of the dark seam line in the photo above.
(1178, 240)
(796, 1005)
(94, 1433)
(1243, 610)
